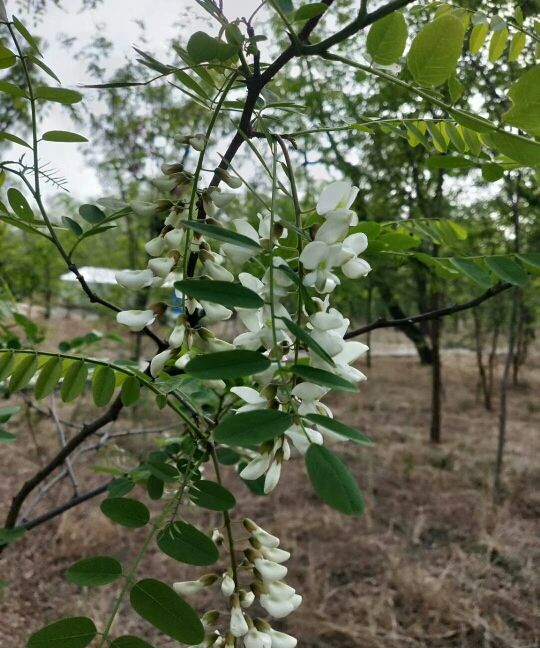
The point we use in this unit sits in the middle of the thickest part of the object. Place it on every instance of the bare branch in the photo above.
(435, 314)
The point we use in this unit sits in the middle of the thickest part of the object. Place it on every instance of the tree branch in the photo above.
(435, 314)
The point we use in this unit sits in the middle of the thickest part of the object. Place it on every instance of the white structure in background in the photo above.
(103, 276)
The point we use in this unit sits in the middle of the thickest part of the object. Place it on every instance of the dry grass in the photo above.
(431, 564)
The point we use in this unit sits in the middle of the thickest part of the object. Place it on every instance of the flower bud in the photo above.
(233, 181)
(155, 246)
(246, 598)
(134, 279)
(161, 266)
(227, 585)
(210, 618)
(269, 570)
(282, 640)
(239, 626)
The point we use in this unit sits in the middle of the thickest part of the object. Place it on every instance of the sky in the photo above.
(115, 19)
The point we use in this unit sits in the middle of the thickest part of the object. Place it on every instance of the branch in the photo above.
(436, 314)
(74, 501)
(87, 430)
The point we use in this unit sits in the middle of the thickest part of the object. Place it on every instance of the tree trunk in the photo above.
(482, 374)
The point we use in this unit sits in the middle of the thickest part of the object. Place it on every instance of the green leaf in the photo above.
(187, 544)
(507, 270)
(525, 96)
(222, 234)
(103, 384)
(324, 378)
(94, 572)
(163, 471)
(23, 373)
(126, 511)
(478, 36)
(91, 214)
(524, 151)
(13, 138)
(7, 58)
(531, 261)
(518, 42)
(7, 437)
(202, 47)
(339, 428)
(12, 89)
(473, 271)
(120, 487)
(48, 378)
(72, 225)
(449, 162)
(73, 632)
(252, 428)
(191, 84)
(497, 44)
(387, 38)
(161, 606)
(74, 381)
(154, 487)
(63, 136)
(26, 34)
(211, 495)
(131, 391)
(7, 412)
(227, 364)
(226, 293)
(44, 67)
(455, 88)
(19, 204)
(11, 535)
(59, 95)
(310, 343)
(332, 481)
(7, 360)
(435, 51)
(285, 5)
(309, 11)
(129, 641)
(492, 172)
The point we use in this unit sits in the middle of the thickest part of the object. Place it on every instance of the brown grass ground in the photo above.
(431, 564)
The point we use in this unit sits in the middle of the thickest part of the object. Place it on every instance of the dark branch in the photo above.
(87, 430)
(55, 512)
(436, 314)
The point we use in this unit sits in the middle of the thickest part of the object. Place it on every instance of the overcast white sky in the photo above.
(116, 20)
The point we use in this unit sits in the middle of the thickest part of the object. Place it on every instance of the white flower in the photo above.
(302, 438)
(221, 198)
(214, 313)
(282, 640)
(155, 246)
(176, 338)
(280, 591)
(251, 397)
(261, 535)
(134, 279)
(158, 362)
(256, 639)
(216, 271)
(320, 258)
(308, 394)
(280, 608)
(270, 570)
(187, 588)
(272, 477)
(161, 266)
(336, 195)
(354, 245)
(336, 225)
(239, 626)
(275, 554)
(174, 238)
(227, 585)
(136, 320)
(256, 467)
(246, 598)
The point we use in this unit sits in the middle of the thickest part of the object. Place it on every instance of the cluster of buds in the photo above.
(263, 568)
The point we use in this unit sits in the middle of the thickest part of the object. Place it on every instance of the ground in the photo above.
(432, 563)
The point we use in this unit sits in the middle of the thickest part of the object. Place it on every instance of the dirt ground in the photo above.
(430, 564)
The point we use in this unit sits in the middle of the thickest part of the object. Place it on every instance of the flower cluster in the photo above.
(264, 571)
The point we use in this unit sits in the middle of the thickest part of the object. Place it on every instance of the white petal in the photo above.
(313, 254)
(351, 352)
(174, 238)
(227, 585)
(309, 391)
(275, 554)
(282, 640)
(333, 195)
(357, 243)
(134, 279)
(155, 246)
(239, 626)
(249, 395)
(136, 320)
(334, 229)
(161, 266)
(356, 268)
(272, 477)
(158, 362)
(185, 588)
(177, 336)
(256, 467)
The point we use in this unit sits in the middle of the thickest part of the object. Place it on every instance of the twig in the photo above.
(435, 314)
(63, 441)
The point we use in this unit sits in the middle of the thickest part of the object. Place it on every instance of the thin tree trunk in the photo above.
(436, 383)
(503, 404)
(482, 374)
